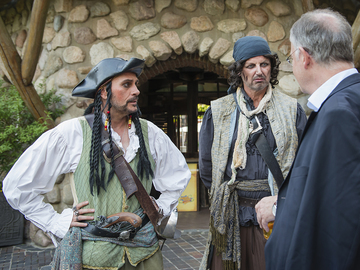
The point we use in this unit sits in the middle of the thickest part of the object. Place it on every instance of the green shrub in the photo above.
(18, 128)
(201, 110)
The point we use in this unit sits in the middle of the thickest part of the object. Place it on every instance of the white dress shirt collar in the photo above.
(134, 144)
(320, 95)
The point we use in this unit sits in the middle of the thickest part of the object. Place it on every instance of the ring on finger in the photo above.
(77, 219)
(75, 210)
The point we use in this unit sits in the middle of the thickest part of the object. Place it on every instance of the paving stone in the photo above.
(184, 253)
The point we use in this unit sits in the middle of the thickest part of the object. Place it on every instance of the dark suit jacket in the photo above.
(317, 224)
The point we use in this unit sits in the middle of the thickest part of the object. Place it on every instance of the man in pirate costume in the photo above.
(230, 164)
(75, 147)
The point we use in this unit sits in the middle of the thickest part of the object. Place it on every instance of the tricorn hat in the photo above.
(105, 70)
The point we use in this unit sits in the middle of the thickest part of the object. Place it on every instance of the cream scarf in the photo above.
(245, 128)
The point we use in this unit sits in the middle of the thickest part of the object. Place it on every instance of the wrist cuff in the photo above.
(274, 208)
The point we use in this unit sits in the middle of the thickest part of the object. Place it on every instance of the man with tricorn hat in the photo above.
(109, 152)
(247, 143)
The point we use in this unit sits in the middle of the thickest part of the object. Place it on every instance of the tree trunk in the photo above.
(355, 30)
(12, 63)
(34, 42)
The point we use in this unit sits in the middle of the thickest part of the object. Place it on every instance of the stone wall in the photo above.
(166, 33)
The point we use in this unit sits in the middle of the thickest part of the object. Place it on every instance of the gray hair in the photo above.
(325, 35)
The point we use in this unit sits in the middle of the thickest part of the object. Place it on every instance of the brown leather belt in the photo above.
(122, 235)
(248, 202)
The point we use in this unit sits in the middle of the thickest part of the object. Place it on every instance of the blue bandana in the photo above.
(249, 47)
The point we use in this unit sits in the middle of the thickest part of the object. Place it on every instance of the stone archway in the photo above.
(167, 34)
(181, 61)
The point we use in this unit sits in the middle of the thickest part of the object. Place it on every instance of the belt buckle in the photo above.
(125, 235)
(255, 125)
(255, 133)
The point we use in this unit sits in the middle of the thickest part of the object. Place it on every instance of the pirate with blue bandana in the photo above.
(230, 163)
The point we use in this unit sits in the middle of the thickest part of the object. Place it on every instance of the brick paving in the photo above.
(184, 253)
(24, 257)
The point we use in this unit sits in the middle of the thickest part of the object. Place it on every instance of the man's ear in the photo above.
(103, 93)
(306, 59)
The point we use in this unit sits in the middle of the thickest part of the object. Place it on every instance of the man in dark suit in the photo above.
(317, 224)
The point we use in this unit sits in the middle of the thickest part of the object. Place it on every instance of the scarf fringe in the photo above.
(220, 242)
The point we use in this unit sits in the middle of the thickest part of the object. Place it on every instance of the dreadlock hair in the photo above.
(108, 105)
(144, 165)
(96, 176)
(96, 157)
(235, 80)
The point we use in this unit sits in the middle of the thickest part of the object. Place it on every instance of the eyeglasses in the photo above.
(289, 59)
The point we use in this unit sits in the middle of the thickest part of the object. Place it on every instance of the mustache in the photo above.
(133, 99)
(259, 77)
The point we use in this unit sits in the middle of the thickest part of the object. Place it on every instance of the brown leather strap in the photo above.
(121, 171)
(144, 198)
(127, 177)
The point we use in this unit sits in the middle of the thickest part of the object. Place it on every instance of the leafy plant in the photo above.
(18, 128)
(202, 109)
(51, 102)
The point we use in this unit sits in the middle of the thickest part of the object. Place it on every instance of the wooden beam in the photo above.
(308, 5)
(355, 30)
(357, 57)
(12, 63)
(34, 40)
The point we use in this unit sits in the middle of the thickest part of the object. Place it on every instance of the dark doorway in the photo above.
(172, 102)
(175, 101)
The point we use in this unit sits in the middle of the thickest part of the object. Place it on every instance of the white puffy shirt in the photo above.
(58, 151)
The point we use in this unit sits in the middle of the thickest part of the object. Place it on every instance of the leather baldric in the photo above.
(127, 177)
(263, 146)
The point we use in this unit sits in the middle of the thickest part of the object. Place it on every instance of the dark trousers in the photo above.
(252, 250)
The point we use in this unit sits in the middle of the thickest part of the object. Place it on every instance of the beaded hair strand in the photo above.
(108, 103)
(98, 177)
(95, 155)
(144, 165)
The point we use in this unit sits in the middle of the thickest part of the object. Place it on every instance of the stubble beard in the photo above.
(124, 109)
(260, 86)
(254, 86)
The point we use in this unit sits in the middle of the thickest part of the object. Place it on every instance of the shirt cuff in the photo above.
(274, 208)
(168, 201)
(61, 223)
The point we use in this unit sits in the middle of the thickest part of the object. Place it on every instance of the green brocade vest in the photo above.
(100, 254)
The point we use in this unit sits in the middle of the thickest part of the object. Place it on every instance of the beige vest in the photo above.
(99, 254)
(281, 111)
